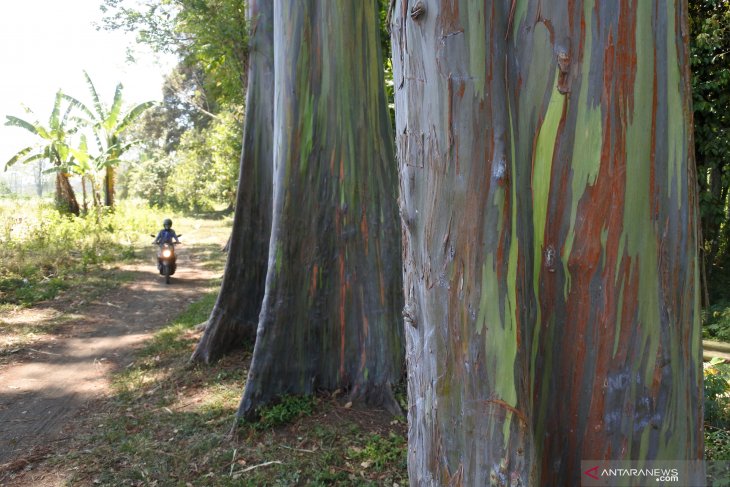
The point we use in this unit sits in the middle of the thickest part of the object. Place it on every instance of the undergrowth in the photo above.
(716, 322)
(44, 252)
(168, 423)
(717, 411)
(288, 409)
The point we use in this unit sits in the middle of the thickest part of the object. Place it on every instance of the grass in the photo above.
(21, 326)
(168, 423)
(288, 409)
(52, 263)
(45, 253)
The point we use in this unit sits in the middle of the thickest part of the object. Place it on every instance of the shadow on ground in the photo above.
(64, 371)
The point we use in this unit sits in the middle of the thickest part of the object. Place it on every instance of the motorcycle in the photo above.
(166, 259)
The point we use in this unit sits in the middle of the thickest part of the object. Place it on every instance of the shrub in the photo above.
(716, 322)
(717, 412)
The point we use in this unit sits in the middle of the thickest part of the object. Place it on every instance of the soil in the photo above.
(48, 384)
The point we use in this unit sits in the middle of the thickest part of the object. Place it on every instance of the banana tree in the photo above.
(89, 168)
(108, 124)
(53, 147)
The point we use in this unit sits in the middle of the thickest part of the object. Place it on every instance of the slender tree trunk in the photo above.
(65, 196)
(83, 189)
(331, 313)
(235, 316)
(549, 213)
(109, 186)
(39, 179)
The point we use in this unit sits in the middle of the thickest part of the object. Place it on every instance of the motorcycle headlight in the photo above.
(166, 253)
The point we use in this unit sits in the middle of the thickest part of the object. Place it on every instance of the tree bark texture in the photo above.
(331, 314)
(235, 316)
(549, 217)
(65, 196)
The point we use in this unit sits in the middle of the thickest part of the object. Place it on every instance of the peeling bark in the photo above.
(330, 318)
(234, 318)
(550, 237)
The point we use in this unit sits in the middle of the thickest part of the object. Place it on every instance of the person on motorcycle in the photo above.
(167, 234)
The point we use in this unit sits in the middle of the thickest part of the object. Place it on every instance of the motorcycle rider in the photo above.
(166, 235)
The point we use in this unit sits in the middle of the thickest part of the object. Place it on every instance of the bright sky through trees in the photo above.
(46, 44)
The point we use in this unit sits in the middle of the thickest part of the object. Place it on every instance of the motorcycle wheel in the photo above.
(166, 270)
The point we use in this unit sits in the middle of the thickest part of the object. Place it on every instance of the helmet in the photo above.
(167, 223)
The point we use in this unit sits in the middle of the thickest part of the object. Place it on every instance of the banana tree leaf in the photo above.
(100, 112)
(54, 121)
(133, 115)
(12, 121)
(111, 120)
(19, 156)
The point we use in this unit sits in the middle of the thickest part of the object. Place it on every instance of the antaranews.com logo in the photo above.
(666, 476)
(648, 473)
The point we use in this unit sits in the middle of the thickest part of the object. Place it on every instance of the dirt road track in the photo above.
(60, 375)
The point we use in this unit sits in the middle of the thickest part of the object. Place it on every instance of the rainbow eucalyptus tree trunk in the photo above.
(331, 314)
(235, 315)
(549, 216)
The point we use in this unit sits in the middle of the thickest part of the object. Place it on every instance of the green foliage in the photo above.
(208, 165)
(716, 322)
(285, 411)
(199, 176)
(384, 10)
(380, 452)
(193, 139)
(717, 395)
(66, 148)
(41, 248)
(108, 123)
(710, 63)
(172, 339)
(717, 412)
(54, 137)
(717, 444)
(148, 179)
(209, 35)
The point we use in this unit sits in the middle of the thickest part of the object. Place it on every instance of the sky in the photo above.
(46, 44)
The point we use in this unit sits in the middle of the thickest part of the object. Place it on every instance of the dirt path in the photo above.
(59, 374)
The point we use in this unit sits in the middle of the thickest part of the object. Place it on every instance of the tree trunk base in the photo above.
(374, 397)
(65, 196)
(381, 396)
(222, 334)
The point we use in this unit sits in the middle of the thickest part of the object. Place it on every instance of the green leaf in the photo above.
(12, 121)
(100, 112)
(111, 120)
(133, 115)
(19, 156)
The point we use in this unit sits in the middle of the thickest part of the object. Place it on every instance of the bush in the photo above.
(716, 322)
(717, 412)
